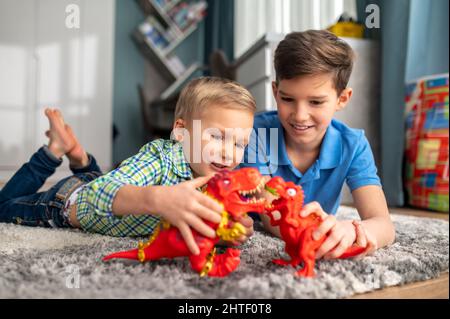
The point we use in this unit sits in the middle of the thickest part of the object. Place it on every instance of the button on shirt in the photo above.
(345, 156)
(160, 162)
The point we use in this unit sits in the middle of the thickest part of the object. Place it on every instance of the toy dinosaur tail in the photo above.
(352, 252)
(160, 245)
(128, 254)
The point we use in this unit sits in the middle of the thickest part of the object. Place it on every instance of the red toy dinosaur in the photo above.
(233, 190)
(296, 231)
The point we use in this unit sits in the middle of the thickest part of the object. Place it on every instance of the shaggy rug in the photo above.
(55, 263)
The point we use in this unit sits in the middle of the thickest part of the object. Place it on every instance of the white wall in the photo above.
(44, 63)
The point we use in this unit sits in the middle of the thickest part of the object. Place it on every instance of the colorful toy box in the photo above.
(427, 134)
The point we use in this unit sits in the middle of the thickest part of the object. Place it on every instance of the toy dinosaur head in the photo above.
(288, 195)
(236, 191)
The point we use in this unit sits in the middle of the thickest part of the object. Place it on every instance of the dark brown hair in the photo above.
(314, 52)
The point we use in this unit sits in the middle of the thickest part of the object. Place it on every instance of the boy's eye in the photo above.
(316, 102)
(216, 137)
(287, 99)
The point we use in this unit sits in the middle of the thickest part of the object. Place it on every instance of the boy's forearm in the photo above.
(382, 228)
(134, 200)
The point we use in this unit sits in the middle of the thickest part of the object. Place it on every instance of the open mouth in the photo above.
(249, 196)
(218, 166)
(301, 128)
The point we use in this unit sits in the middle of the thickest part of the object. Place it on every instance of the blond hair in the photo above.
(203, 92)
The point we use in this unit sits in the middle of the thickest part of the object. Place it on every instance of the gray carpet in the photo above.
(46, 263)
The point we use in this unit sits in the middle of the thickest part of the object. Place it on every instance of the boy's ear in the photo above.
(179, 123)
(274, 89)
(178, 128)
(344, 98)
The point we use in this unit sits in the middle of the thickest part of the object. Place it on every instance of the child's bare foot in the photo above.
(60, 142)
(63, 141)
(77, 155)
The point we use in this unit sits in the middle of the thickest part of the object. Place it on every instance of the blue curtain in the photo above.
(414, 42)
(428, 51)
(219, 28)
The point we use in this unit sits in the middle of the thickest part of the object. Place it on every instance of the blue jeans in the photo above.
(20, 203)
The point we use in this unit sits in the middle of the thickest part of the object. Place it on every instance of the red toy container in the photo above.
(427, 134)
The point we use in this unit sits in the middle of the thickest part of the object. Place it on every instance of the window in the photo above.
(254, 18)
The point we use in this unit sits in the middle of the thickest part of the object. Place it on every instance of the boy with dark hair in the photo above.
(316, 151)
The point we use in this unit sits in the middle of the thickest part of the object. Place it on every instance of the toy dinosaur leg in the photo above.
(198, 262)
(284, 262)
(307, 253)
(208, 263)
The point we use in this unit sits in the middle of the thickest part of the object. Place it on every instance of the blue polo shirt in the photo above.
(345, 156)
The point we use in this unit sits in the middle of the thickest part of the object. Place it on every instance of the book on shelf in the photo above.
(168, 23)
(166, 4)
(176, 65)
(186, 14)
(162, 3)
(167, 33)
(151, 32)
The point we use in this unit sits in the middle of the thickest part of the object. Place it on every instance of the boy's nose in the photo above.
(228, 154)
(301, 113)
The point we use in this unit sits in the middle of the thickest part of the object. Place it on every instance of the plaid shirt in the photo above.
(160, 162)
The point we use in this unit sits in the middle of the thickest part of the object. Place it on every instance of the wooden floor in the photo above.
(429, 289)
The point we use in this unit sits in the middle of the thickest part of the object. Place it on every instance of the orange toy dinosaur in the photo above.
(296, 231)
(234, 190)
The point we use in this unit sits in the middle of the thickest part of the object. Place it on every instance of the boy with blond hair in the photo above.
(160, 181)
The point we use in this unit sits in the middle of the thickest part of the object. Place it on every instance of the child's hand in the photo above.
(188, 210)
(364, 238)
(341, 234)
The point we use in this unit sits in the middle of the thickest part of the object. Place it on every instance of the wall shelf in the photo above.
(168, 24)
(158, 36)
(177, 42)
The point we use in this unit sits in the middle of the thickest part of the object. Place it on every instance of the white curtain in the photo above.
(253, 18)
